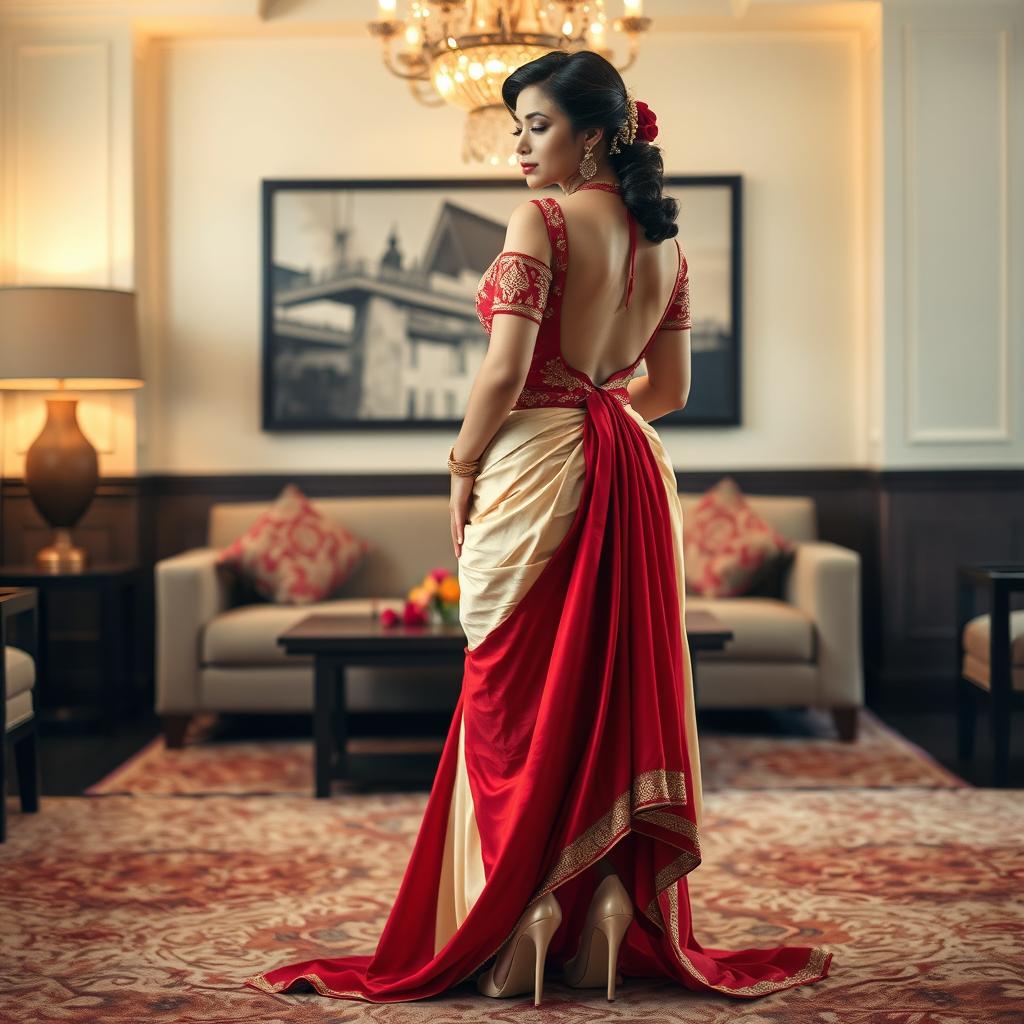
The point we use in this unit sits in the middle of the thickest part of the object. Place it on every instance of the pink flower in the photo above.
(413, 614)
(388, 617)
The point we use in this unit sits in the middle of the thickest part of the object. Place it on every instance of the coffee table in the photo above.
(704, 632)
(340, 641)
(337, 642)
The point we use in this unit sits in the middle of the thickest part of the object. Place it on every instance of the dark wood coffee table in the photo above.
(704, 632)
(340, 641)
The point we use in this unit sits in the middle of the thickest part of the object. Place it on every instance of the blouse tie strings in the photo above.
(632, 256)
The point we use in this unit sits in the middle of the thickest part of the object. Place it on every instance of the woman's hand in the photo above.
(462, 492)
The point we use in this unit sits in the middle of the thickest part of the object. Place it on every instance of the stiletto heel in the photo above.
(539, 924)
(609, 915)
(613, 928)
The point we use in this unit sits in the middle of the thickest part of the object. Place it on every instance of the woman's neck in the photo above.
(593, 183)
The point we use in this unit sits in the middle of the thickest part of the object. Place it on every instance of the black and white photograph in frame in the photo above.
(369, 289)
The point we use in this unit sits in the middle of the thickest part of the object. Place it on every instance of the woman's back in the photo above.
(599, 335)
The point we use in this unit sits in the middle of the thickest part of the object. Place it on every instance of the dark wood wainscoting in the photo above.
(911, 528)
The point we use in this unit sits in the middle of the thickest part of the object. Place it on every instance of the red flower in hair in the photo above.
(646, 122)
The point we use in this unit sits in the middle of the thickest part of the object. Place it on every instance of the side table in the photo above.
(1000, 579)
(118, 587)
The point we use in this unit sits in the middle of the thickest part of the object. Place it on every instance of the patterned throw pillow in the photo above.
(727, 547)
(294, 554)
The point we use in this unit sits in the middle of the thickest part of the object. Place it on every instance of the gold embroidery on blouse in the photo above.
(554, 217)
(513, 278)
(618, 381)
(680, 319)
(512, 273)
(533, 396)
(556, 375)
(529, 396)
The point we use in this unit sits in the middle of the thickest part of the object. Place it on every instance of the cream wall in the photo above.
(796, 98)
(953, 77)
(780, 111)
(67, 197)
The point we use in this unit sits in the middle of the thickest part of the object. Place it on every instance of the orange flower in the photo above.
(449, 589)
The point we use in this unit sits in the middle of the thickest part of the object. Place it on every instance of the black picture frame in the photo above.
(314, 371)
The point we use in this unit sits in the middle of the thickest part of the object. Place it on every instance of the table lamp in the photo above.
(56, 339)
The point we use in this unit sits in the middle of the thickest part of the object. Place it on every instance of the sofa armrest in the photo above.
(824, 582)
(190, 592)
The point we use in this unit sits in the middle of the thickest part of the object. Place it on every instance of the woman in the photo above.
(564, 815)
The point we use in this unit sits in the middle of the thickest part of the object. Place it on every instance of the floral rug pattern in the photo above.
(132, 908)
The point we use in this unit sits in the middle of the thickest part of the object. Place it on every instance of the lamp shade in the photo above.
(69, 338)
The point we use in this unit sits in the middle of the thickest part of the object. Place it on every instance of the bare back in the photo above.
(598, 334)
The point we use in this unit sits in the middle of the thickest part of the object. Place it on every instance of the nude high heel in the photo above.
(509, 975)
(608, 916)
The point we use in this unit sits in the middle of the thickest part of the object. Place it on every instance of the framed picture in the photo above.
(369, 287)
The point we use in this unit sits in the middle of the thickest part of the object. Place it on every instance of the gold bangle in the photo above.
(462, 467)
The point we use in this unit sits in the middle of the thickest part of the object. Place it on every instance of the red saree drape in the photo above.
(574, 747)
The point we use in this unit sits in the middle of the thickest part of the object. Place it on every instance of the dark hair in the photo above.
(591, 92)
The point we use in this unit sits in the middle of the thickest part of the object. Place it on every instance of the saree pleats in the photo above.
(574, 735)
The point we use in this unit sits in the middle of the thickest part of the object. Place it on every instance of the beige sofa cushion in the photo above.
(764, 629)
(21, 677)
(247, 635)
(977, 640)
(21, 671)
(977, 671)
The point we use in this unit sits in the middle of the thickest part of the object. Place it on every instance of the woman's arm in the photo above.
(502, 374)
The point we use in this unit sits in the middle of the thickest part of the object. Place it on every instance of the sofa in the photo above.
(216, 651)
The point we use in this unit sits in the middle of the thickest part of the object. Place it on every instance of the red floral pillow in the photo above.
(294, 554)
(727, 547)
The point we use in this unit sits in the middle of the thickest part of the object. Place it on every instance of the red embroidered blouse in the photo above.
(514, 283)
(526, 286)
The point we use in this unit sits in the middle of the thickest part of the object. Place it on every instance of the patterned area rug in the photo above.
(145, 909)
(879, 758)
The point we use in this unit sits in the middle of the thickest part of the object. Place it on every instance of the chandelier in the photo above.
(458, 52)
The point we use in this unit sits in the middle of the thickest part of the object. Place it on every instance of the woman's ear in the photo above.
(592, 137)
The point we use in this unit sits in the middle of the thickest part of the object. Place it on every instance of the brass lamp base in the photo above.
(61, 470)
(62, 555)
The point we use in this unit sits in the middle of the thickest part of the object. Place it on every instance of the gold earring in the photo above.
(588, 165)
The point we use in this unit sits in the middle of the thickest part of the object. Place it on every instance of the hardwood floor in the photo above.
(69, 764)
